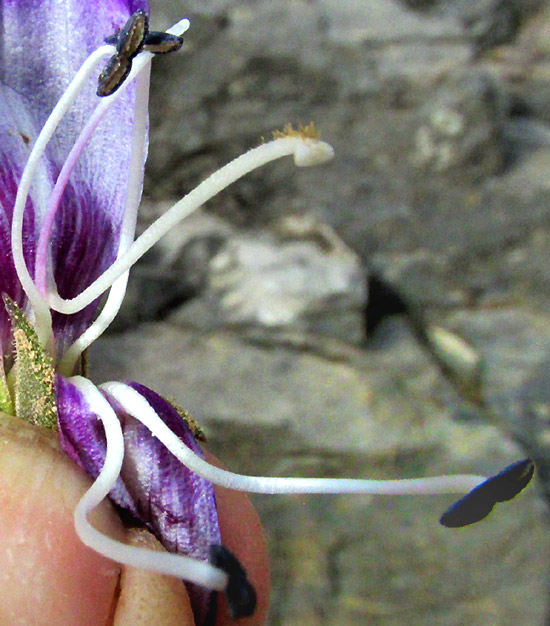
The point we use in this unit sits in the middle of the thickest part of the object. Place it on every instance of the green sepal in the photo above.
(6, 401)
(34, 372)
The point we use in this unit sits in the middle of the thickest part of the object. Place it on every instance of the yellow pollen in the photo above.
(302, 132)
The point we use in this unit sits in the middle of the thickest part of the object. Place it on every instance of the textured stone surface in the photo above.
(515, 346)
(302, 279)
(337, 411)
(427, 185)
(438, 112)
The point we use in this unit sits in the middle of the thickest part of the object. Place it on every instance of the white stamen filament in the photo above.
(139, 408)
(141, 63)
(39, 305)
(192, 570)
(305, 151)
(135, 175)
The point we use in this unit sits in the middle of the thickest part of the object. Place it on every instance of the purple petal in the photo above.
(181, 504)
(44, 42)
(82, 438)
(154, 488)
(42, 45)
(16, 128)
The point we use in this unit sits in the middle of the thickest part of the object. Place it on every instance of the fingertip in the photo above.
(149, 597)
(48, 575)
(243, 535)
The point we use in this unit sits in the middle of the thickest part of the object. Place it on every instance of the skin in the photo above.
(49, 577)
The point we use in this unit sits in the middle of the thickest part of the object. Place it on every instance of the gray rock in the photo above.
(381, 21)
(275, 410)
(496, 22)
(301, 279)
(425, 182)
(440, 184)
(175, 270)
(515, 347)
(460, 129)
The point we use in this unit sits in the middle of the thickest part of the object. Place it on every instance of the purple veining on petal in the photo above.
(178, 506)
(16, 131)
(82, 438)
(187, 525)
(162, 486)
(42, 45)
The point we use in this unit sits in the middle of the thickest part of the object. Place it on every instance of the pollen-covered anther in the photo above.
(133, 38)
(308, 131)
(310, 150)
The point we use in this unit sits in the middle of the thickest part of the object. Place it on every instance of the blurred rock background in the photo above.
(385, 315)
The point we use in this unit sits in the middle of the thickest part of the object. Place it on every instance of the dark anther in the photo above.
(477, 504)
(113, 75)
(240, 594)
(129, 41)
(162, 43)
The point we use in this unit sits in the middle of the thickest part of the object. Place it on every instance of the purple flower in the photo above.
(70, 234)
(153, 488)
(43, 46)
(71, 174)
